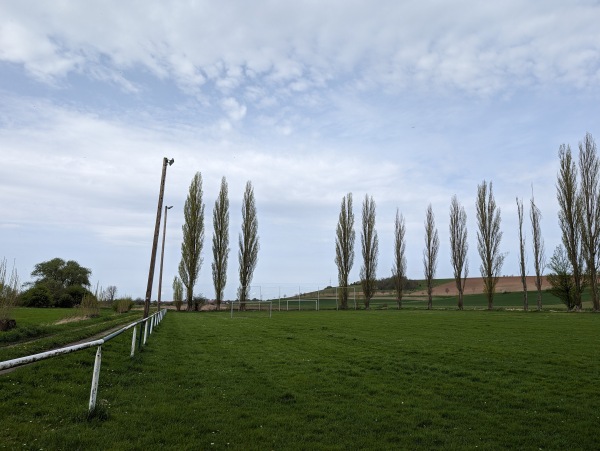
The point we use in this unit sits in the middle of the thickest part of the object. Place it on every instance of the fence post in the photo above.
(146, 332)
(151, 324)
(95, 378)
(133, 341)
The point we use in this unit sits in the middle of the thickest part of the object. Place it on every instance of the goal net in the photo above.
(295, 297)
(253, 306)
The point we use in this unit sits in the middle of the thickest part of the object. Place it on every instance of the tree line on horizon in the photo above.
(573, 266)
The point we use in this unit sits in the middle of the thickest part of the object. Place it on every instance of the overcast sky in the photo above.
(410, 102)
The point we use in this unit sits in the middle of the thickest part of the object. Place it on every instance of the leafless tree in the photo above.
(459, 247)
(432, 246)
(488, 240)
(220, 241)
(570, 218)
(9, 291)
(248, 244)
(589, 194)
(370, 250)
(344, 247)
(539, 257)
(399, 268)
(111, 293)
(522, 268)
(193, 238)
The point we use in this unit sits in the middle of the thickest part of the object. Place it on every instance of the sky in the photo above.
(408, 102)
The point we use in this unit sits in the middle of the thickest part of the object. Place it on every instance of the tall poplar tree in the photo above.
(370, 250)
(248, 244)
(589, 195)
(522, 268)
(193, 239)
(459, 247)
(539, 257)
(488, 240)
(399, 268)
(569, 218)
(220, 242)
(177, 293)
(430, 253)
(344, 247)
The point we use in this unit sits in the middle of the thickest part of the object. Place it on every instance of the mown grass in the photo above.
(314, 380)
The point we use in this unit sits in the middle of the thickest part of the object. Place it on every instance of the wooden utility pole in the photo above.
(156, 233)
(162, 256)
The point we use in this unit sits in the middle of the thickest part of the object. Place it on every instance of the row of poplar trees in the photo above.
(573, 267)
(193, 242)
(488, 245)
(575, 263)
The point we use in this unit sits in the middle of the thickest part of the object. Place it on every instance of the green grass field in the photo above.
(387, 300)
(322, 380)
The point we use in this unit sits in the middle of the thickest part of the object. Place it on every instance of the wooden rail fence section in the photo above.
(147, 324)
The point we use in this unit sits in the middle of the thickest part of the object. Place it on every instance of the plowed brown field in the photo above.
(474, 285)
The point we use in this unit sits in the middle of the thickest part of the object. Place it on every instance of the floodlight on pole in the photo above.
(156, 233)
(162, 256)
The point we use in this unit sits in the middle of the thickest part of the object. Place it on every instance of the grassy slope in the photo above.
(335, 380)
(37, 330)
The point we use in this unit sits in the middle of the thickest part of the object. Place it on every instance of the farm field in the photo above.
(333, 380)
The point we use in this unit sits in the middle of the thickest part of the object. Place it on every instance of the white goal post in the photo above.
(265, 307)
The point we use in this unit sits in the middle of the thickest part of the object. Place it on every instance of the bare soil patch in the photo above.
(474, 285)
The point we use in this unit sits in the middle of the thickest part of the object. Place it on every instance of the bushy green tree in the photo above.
(36, 296)
(66, 273)
(58, 283)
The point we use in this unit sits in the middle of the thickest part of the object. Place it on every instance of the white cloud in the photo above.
(410, 102)
(234, 110)
(480, 48)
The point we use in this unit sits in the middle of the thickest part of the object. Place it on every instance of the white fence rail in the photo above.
(146, 323)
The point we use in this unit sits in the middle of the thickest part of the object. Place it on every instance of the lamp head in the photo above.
(171, 161)
(168, 208)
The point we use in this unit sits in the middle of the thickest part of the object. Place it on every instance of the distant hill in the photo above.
(387, 283)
